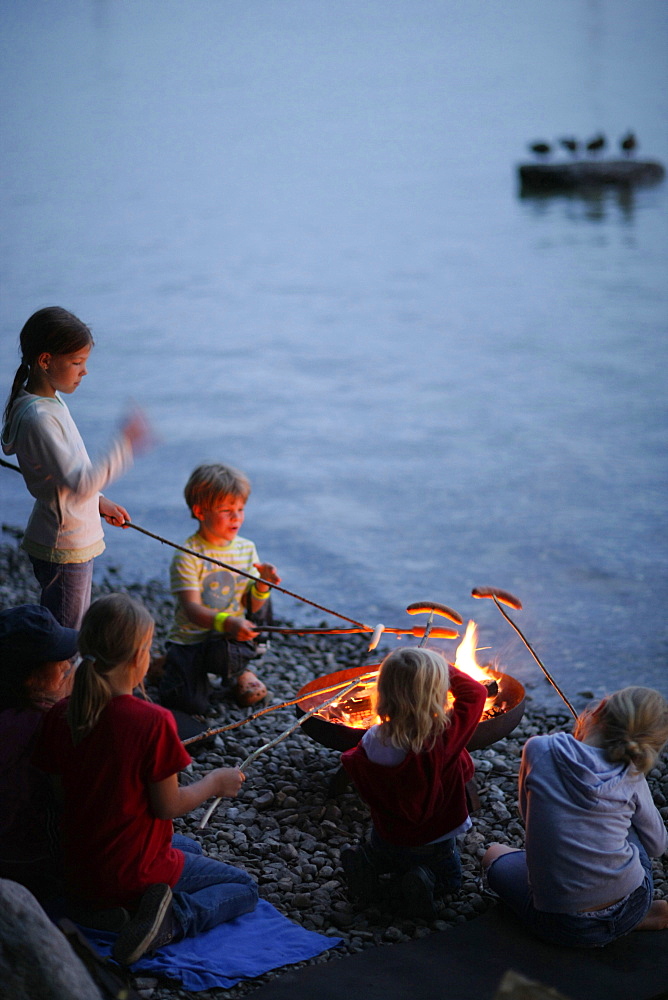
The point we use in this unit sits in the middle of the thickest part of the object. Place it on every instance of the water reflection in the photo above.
(593, 204)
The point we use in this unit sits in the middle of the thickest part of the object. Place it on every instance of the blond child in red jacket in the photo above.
(411, 769)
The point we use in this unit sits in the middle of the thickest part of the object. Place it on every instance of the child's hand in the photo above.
(137, 431)
(228, 781)
(112, 512)
(267, 572)
(240, 629)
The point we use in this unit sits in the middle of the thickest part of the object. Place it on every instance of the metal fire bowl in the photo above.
(337, 736)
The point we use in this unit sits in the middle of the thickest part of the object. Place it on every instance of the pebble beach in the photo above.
(284, 828)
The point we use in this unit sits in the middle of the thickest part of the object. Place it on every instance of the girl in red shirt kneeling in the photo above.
(115, 760)
(412, 771)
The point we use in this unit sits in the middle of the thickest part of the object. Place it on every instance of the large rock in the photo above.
(36, 960)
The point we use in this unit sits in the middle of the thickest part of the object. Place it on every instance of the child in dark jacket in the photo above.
(36, 671)
(412, 770)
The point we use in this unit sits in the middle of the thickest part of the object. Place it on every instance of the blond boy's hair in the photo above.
(631, 726)
(410, 701)
(208, 484)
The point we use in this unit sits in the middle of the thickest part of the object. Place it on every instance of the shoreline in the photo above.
(284, 829)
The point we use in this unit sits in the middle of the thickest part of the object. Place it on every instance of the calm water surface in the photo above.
(296, 231)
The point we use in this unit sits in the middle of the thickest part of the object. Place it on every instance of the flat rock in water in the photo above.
(588, 173)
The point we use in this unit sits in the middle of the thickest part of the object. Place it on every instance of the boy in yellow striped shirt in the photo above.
(217, 610)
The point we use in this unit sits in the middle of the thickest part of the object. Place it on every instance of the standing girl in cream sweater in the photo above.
(64, 532)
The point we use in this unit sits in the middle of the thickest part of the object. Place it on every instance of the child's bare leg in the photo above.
(656, 918)
(495, 851)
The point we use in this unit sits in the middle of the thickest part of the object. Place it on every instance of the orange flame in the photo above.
(356, 709)
(465, 660)
(466, 655)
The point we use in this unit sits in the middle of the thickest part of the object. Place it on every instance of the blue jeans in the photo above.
(509, 878)
(441, 859)
(209, 892)
(66, 589)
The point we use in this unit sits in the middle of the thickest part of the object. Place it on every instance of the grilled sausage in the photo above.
(424, 608)
(501, 595)
(436, 633)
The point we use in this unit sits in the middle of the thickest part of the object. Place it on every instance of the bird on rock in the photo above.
(540, 148)
(572, 145)
(597, 144)
(628, 143)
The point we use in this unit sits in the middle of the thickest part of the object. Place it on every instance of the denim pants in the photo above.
(209, 892)
(66, 589)
(441, 859)
(508, 876)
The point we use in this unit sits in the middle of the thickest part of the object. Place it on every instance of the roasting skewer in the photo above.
(338, 687)
(418, 631)
(377, 632)
(504, 597)
(444, 633)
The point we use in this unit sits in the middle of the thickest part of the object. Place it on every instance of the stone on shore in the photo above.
(36, 960)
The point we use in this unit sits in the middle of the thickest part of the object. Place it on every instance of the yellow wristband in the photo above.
(219, 621)
(259, 595)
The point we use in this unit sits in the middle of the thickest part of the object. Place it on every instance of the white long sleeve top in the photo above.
(64, 524)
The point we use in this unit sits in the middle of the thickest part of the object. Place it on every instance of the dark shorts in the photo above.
(185, 685)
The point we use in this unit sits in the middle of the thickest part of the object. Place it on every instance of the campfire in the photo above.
(341, 724)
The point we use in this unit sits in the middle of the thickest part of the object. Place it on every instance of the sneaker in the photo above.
(417, 889)
(149, 928)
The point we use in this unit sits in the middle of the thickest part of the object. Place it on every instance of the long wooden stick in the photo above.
(535, 656)
(360, 627)
(377, 632)
(241, 572)
(419, 631)
(233, 569)
(360, 679)
(267, 746)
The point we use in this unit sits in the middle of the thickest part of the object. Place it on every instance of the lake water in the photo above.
(296, 231)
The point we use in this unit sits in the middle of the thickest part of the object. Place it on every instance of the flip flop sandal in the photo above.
(248, 690)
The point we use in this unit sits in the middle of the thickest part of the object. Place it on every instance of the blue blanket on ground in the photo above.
(243, 948)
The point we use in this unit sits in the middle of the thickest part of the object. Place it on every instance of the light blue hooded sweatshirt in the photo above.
(578, 809)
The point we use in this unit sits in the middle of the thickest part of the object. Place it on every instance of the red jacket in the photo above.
(424, 797)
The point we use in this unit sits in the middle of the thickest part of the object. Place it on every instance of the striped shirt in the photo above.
(218, 588)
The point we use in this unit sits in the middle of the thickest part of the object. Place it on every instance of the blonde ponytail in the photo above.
(112, 631)
(631, 726)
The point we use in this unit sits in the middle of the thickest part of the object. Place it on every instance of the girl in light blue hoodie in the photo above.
(585, 877)
(64, 532)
